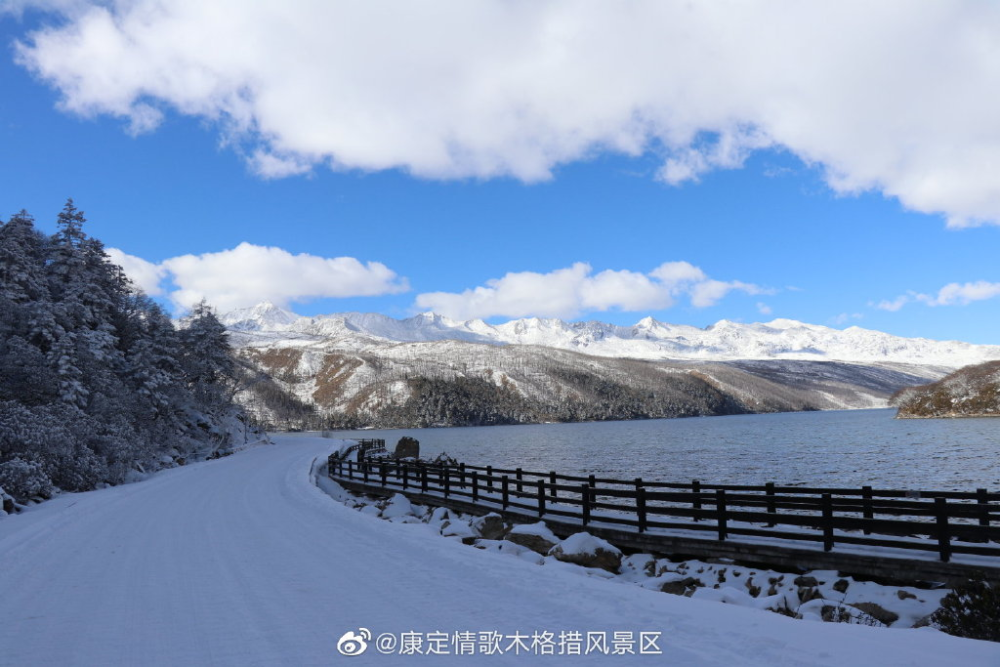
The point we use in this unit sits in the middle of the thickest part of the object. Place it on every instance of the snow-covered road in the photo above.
(242, 561)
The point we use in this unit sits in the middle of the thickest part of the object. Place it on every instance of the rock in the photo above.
(805, 582)
(878, 612)
(443, 459)
(490, 527)
(399, 505)
(460, 529)
(7, 501)
(836, 614)
(809, 594)
(407, 448)
(439, 515)
(905, 595)
(535, 536)
(589, 551)
(683, 587)
(643, 564)
(841, 585)
(752, 589)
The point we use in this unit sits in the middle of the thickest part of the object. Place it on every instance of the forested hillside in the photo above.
(308, 384)
(96, 383)
(973, 391)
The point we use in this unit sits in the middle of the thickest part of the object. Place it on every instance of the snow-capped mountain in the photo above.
(364, 369)
(265, 316)
(265, 324)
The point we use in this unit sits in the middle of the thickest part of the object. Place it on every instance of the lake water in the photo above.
(849, 448)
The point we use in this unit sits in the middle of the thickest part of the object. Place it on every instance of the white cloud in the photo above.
(449, 89)
(710, 292)
(568, 292)
(844, 318)
(248, 274)
(764, 309)
(895, 304)
(146, 275)
(961, 294)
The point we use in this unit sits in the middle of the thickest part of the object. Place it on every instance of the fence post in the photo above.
(720, 510)
(504, 485)
(866, 505)
(541, 498)
(552, 483)
(944, 538)
(696, 503)
(423, 479)
(475, 486)
(461, 474)
(640, 506)
(406, 476)
(447, 481)
(827, 522)
(518, 474)
(592, 482)
(585, 503)
(771, 507)
(350, 470)
(489, 478)
(984, 507)
(383, 472)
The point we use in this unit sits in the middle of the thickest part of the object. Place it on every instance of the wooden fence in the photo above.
(365, 447)
(945, 522)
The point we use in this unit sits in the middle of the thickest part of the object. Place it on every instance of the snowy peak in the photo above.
(647, 339)
(265, 316)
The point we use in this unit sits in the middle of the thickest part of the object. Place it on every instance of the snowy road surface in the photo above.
(242, 561)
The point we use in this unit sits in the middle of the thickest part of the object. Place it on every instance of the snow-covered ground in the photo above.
(243, 561)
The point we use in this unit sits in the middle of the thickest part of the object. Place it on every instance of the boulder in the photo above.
(490, 527)
(878, 612)
(407, 448)
(684, 586)
(589, 551)
(399, 505)
(535, 536)
(805, 582)
(841, 585)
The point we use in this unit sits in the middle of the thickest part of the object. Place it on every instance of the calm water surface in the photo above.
(836, 448)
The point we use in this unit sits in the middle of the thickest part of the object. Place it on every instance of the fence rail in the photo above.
(944, 522)
(365, 448)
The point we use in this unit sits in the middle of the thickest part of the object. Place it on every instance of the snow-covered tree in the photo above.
(95, 381)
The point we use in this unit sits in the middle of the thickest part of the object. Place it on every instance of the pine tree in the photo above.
(95, 381)
(206, 362)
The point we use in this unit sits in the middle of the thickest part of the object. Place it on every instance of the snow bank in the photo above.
(399, 506)
(585, 544)
(536, 529)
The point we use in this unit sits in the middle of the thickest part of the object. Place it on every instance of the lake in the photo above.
(846, 448)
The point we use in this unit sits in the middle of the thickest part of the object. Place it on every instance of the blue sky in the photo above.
(480, 203)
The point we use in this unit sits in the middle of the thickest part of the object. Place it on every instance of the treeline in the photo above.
(96, 383)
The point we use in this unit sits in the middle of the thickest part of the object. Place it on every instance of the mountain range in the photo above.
(371, 370)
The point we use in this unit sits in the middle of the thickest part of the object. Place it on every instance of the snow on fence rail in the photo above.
(945, 522)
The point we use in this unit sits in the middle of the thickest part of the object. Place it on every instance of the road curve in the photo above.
(243, 561)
